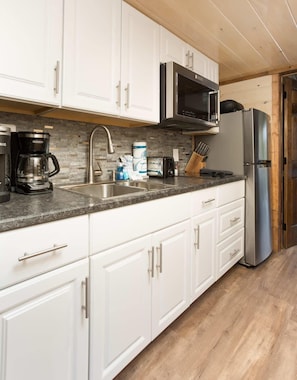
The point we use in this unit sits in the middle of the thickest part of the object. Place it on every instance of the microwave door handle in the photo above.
(217, 98)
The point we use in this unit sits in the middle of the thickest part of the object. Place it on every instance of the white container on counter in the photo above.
(140, 157)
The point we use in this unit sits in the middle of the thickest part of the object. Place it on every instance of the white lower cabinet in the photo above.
(203, 240)
(120, 293)
(43, 328)
(217, 233)
(147, 262)
(204, 253)
(231, 222)
(170, 291)
(43, 301)
(137, 290)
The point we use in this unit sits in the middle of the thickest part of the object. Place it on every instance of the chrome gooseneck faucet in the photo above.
(110, 149)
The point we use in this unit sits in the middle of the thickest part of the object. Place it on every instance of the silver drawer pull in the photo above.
(235, 220)
(234, 253)
(54, 248)
(205, 203)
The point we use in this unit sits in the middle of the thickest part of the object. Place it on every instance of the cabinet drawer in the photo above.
(204, 200)
(230, 219)
(39, 241)
(230, 251)
(113, 227)
(230, 192)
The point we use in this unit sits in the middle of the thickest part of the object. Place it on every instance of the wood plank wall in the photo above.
(263, 93)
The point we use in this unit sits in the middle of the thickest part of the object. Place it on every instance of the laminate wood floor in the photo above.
(243, 328)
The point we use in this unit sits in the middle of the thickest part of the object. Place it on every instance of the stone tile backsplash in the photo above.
(69, 142)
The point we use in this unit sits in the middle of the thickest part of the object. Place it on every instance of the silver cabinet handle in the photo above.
(86, 306)
(118, 102)
(48, 250)
(57, 82)
(205, 203)
(160, 265)
(192, 60)
(151, 255)
(197, 232)
(235, 220)
(234, 253)
(153, 262)
(127, 89)
(188, 59)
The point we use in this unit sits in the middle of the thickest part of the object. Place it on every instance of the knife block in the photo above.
(195, 163)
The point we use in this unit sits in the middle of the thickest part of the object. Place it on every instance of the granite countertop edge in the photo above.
(28, 210)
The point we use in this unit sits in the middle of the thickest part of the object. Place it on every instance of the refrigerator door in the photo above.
(258, 242)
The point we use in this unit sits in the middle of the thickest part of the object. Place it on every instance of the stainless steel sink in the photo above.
(104, 190)
(148, 185)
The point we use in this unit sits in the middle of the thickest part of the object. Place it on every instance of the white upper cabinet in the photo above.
(140, 66)
(31, 50)
(111, 60)
(172, 48)
(92, 53)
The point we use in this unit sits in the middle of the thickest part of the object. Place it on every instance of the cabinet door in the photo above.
(92, 42)
(140, 66)
(213, 71)
(120, 307)
(43, 329)
(31, 47)
(198, 62)
(204, 249)
(172, 48)
(170, 295)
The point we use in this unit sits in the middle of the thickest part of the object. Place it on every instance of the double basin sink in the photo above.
(115, 189)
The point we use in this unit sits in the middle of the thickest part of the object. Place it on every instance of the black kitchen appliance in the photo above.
(30, 161)
(4, 164)
(160, 167)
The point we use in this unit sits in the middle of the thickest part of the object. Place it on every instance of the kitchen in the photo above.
(61, 136)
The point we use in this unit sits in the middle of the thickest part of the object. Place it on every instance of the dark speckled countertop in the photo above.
(27, 210)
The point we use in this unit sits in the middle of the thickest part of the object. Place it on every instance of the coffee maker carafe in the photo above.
(4, 164)
(32, 165)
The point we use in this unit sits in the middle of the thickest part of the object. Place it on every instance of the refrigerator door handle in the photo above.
(266, 163)
(263, 163)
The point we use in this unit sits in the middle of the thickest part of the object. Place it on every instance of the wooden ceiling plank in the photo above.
(220, 28)
(240, 14)
(276, 17)
(246, 37)
(293, 10)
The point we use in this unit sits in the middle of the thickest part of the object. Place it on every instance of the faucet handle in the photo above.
(111, 174)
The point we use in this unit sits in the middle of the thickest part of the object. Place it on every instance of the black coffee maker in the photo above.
(31, 163)
(4, 164)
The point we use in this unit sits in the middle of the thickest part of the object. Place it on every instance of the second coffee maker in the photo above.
(32, 163)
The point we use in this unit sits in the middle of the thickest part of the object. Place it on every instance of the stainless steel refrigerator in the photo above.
(242, 147)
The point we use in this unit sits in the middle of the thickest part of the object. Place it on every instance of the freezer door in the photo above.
(256, 136)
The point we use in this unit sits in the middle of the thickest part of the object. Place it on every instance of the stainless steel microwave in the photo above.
(188, 101)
